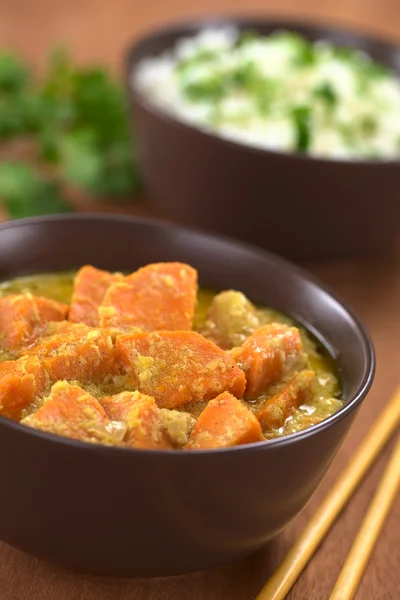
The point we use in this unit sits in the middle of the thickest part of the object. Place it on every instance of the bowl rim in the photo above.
(238, 19)
(350, 405)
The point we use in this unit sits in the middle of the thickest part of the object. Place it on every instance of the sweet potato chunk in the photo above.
(231, 318)
(71, 412)
(142, 417)
(67, 403)
(61, 330)
(175, 425)
(76, 355)
(267, 355)
(65, 328)
(23, 317)
(160, 296)
(300, 389)
(90, 286)
(178, 367)
(21, 383)
(145, 429)
(224, 422)
(118, 406)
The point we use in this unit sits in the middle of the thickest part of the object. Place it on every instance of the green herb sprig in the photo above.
(76, 119)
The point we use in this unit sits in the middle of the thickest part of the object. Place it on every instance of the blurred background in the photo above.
(99, 30)
(88, 170)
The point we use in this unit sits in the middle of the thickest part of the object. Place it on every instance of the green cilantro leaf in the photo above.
(25, 194)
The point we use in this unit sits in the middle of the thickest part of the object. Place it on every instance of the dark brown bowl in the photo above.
(126, 513)
(300, 207)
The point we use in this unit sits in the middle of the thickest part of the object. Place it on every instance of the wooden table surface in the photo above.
(99, 30)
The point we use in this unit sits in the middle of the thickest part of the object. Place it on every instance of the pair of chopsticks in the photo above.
(287, 573)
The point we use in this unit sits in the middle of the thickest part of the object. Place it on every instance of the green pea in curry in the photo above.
(148, 360)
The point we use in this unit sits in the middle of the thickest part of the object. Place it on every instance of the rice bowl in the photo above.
(279, 92)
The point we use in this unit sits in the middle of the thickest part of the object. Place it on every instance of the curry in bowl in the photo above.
(148, 360)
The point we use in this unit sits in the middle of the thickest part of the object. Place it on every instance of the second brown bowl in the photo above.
(300, 207)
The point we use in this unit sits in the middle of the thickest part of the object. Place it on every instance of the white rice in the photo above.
(359, 123)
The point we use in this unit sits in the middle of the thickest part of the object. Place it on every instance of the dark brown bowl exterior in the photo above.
(300, 207)
(127, 513)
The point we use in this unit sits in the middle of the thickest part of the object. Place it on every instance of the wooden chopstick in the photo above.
(298, 556)
(360, 552)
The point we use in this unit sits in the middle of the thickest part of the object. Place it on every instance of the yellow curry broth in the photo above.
(59, 287)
